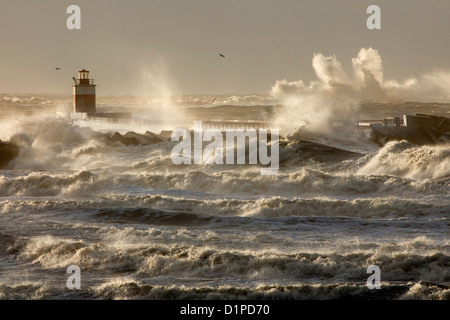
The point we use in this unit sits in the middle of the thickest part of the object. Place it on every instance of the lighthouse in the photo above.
(84, 92)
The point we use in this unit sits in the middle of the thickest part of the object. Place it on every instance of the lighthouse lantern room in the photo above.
(84, 92)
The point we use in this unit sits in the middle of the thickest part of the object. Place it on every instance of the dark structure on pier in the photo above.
(420, 129)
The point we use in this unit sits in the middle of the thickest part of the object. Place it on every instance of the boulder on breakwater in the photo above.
(8, 151)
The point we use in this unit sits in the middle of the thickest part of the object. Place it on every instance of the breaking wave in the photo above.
(159, 263)
(160, 209)
(304, 183)
(128, 289)
(405, 160)
(401, 262)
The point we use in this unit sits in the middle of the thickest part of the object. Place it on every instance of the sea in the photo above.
(138, 226)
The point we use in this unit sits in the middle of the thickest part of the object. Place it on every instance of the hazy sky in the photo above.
(143, 46)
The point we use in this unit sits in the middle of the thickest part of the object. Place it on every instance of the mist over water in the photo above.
(139, 226)
(158, 84)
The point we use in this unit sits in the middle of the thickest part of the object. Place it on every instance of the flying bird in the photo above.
(58, 68)
(221, 55)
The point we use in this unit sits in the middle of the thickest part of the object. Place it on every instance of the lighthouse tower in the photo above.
(84, 92)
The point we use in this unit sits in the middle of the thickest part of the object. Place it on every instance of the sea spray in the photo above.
(337, 96)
